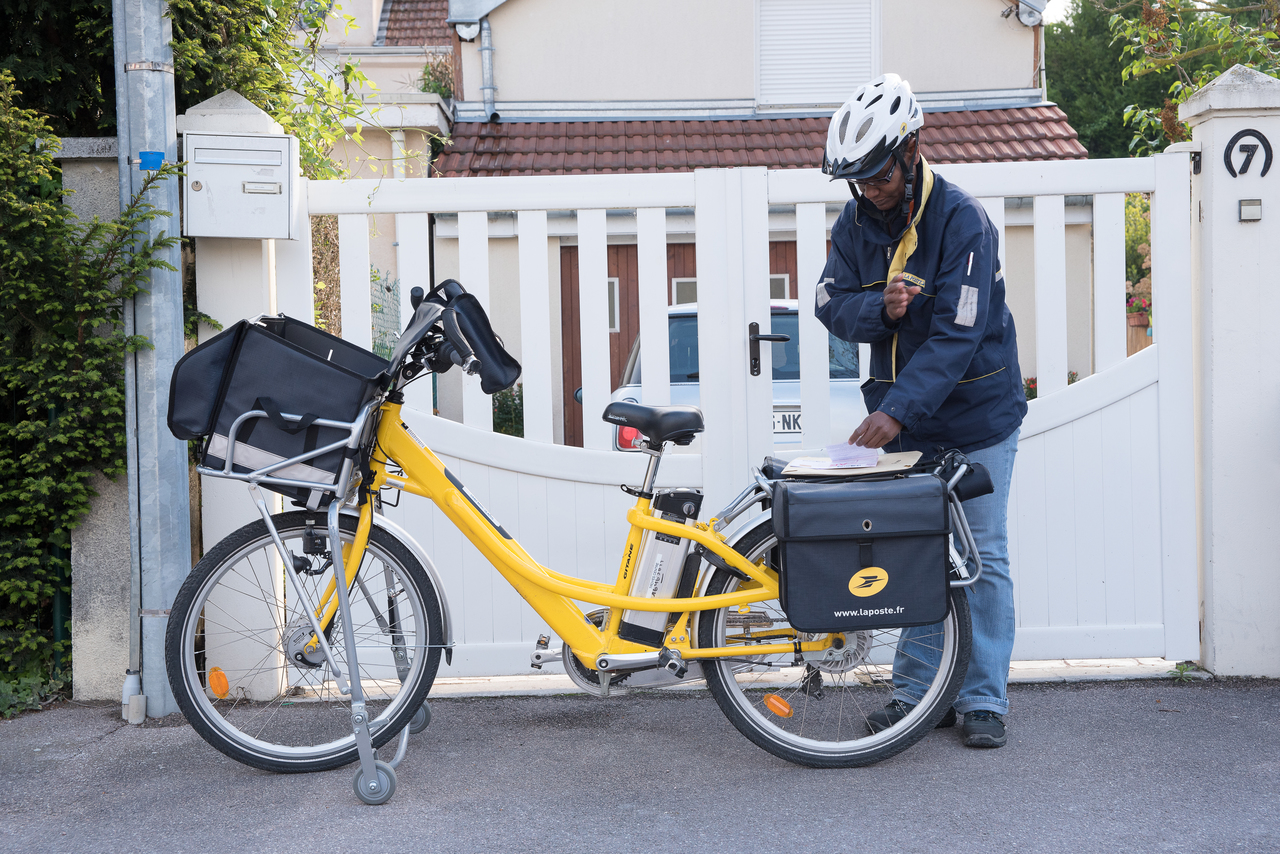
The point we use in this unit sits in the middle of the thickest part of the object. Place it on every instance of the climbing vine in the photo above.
(63, 284)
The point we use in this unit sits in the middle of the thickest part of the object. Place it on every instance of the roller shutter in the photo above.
(816, 52)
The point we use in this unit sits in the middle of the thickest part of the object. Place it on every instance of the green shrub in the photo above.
(508, 411)
(63, 284)
(29, 693)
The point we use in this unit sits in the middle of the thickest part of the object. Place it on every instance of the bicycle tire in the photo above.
(826, 727)
(267, 710)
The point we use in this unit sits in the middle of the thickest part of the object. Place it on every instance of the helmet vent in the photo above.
(844, 125)
(863, 128)
(872, 102)
(893, 110)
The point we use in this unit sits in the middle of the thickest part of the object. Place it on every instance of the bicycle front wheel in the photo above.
(244, 669)
(816, 709)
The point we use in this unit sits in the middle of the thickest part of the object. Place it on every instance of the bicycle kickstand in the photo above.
(375, 782)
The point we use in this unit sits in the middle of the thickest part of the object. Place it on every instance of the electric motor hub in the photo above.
(836, 658)
(303, 652)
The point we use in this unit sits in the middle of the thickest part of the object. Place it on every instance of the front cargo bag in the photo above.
(863, 554)
(280, 366)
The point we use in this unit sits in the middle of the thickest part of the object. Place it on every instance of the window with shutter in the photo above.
(814, 53)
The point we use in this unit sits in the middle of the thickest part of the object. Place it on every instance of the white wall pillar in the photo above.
(238, 278)
(1236, 120)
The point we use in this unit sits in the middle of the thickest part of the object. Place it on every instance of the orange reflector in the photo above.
(218, 683)
(777, 705)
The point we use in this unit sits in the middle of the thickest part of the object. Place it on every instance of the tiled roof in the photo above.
(563, 148)
(418, 22)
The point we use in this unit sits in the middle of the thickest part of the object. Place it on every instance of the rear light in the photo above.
(629, 438)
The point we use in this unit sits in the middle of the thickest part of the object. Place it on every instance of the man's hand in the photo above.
(876, 430)
(897, 296)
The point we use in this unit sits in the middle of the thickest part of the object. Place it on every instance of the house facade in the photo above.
(564, 87)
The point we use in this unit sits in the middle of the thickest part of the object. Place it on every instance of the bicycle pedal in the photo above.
(671, 660)
(542, 653)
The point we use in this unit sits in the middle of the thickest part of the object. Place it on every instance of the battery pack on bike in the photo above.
(665, 568)
(857, 555)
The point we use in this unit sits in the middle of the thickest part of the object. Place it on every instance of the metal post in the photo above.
(159, 507)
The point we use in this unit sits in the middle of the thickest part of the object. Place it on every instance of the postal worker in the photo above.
(914, 271)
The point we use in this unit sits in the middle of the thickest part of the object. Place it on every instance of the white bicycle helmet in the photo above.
(869, 127)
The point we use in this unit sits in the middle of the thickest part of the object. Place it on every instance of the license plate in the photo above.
(786, 421)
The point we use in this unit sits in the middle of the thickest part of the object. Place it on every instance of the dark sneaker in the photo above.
(897, 710)
(984, 729)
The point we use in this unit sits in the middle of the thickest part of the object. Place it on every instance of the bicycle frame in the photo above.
(552, 594)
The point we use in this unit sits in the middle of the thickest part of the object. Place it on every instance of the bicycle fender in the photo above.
(421, 554)
(740, 526)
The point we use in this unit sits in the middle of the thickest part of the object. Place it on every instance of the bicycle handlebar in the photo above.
(463, 356)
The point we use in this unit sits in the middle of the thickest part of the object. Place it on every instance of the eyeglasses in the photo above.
(876, 182)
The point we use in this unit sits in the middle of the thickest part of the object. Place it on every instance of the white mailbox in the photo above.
(239, 185)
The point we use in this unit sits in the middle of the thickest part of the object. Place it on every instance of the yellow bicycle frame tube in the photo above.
(352, 556)
(549, 593)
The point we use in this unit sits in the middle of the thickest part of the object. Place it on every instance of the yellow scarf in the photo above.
(907, 245)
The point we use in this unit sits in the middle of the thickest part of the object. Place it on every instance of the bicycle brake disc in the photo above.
(832, 660)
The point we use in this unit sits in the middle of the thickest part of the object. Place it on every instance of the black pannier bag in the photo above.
(869, 554)
(279, 365)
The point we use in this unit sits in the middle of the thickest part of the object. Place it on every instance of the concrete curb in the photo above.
(1020, 672)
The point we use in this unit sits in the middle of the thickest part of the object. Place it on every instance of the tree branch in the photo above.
(1164, 62)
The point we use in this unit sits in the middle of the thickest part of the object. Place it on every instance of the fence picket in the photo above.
(751, 248)
(815, 360)
(994, 206)
(593, 326)
(473, 270)
(413, 264)
(1051, 294)
(1108, 281)
(655, 353)
(353, 272)
(535, 326)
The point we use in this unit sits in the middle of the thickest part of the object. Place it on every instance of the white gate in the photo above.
(1102, 517)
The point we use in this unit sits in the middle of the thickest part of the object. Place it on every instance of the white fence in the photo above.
(1102, 520)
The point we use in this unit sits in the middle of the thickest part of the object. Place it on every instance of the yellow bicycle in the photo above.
(280, 666)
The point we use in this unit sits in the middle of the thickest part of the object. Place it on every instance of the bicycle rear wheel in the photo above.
(237, 655)
(815, 712)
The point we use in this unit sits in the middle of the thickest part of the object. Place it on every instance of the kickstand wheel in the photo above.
(421, 719)
(379, 792)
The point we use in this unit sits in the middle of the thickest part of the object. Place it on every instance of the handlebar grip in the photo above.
(468, 361)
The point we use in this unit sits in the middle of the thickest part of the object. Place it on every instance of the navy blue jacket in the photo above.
(955, 381)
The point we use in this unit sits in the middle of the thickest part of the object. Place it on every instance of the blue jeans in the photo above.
(990, 604)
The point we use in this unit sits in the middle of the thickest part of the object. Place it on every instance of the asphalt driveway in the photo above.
(1118, 766)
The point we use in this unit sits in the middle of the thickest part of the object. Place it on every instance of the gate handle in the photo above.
(753, 331)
